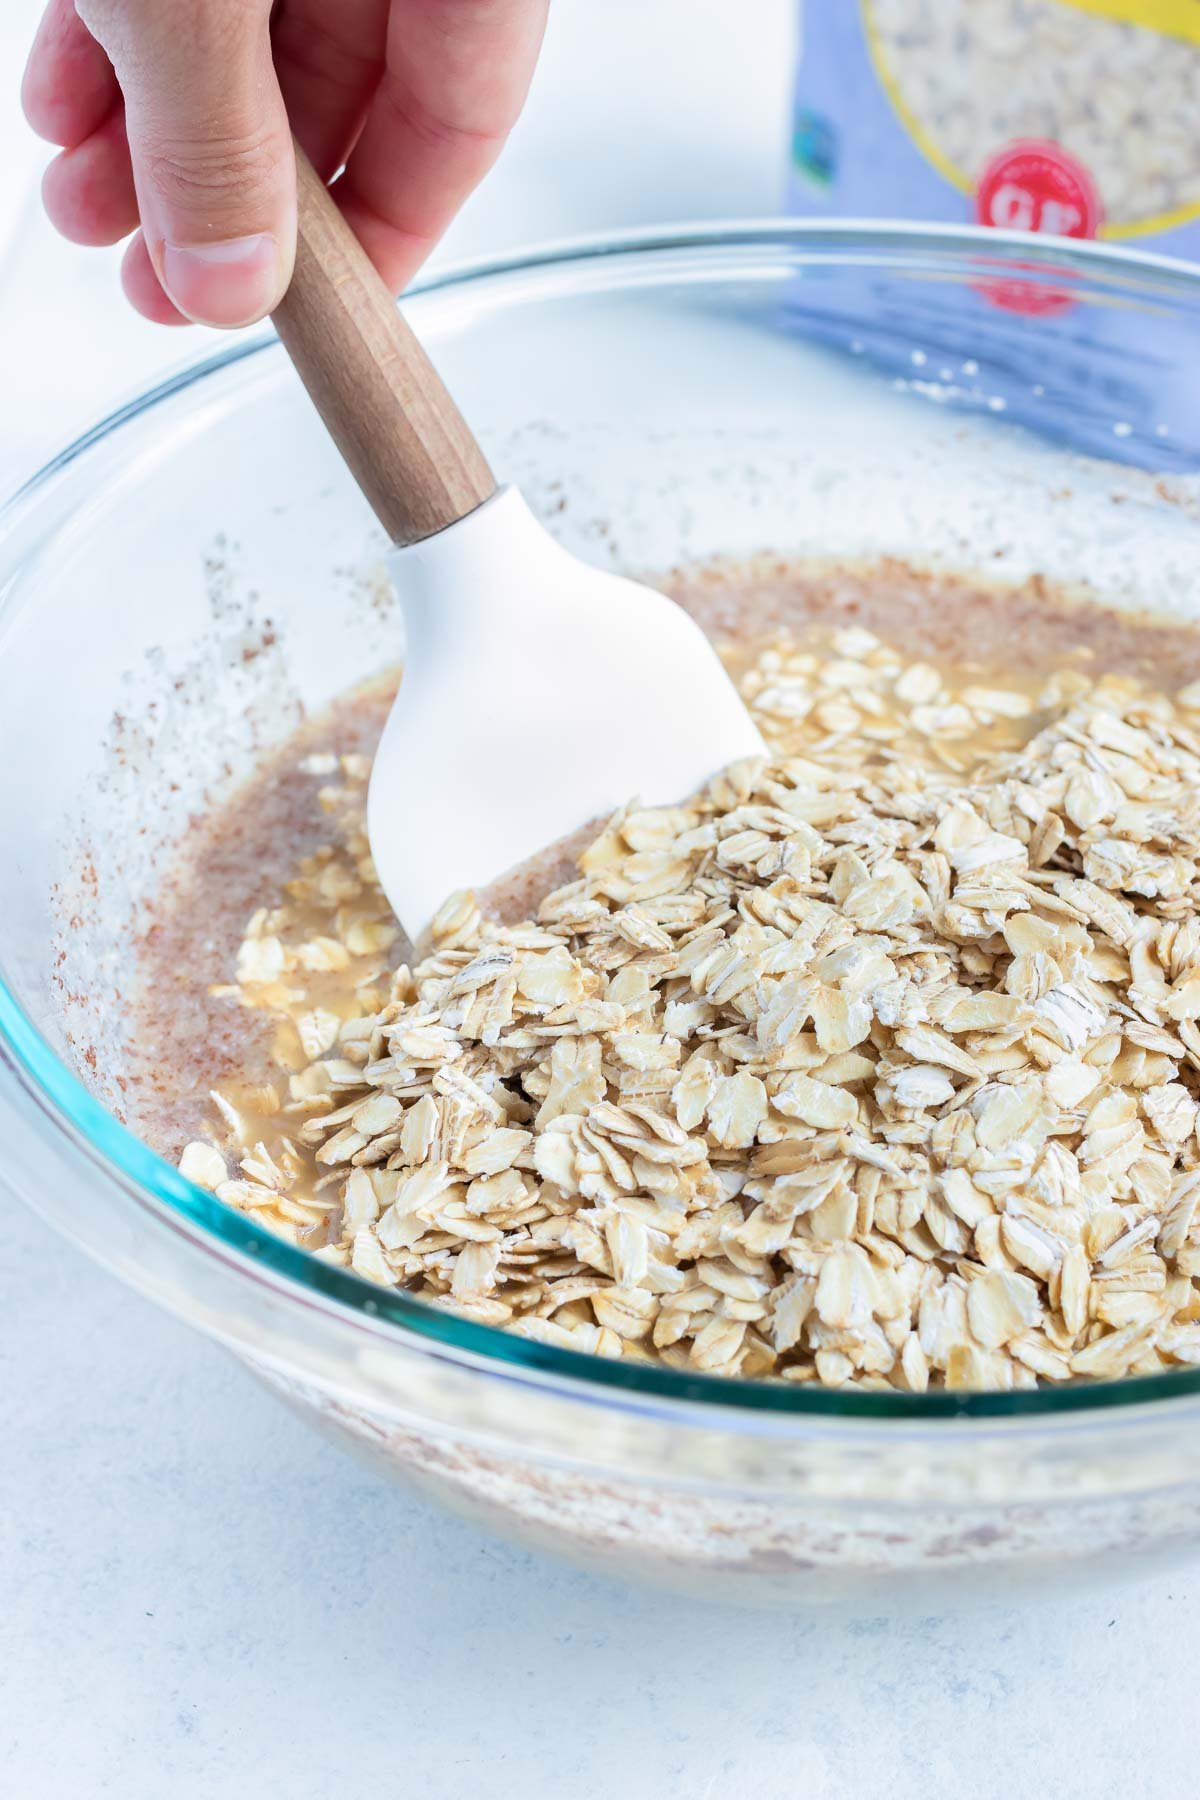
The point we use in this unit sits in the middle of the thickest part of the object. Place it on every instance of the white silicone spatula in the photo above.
(538, 694)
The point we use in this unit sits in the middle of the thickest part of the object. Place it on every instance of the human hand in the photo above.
(175, 118)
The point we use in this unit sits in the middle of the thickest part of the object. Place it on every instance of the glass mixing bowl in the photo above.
(187, 580)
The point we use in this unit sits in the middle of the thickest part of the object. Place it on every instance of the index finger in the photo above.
(456, 76)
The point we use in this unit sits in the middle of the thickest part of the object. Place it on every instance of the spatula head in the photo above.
(538, 694)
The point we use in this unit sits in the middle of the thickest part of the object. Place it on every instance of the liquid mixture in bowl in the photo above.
(876, 1063)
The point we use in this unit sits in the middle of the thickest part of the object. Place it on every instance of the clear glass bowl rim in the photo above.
(66, 1107)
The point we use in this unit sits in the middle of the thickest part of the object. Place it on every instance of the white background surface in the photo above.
(199, 1599)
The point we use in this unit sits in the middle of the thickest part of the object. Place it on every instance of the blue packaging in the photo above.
(1073, 119)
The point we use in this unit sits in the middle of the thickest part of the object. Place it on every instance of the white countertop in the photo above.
(197, 1596)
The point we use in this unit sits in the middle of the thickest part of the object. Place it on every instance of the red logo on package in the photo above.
(1036, 186)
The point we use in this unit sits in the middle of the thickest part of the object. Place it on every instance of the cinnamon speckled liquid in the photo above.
(191, 1040)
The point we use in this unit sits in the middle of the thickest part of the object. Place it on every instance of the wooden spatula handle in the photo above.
(406, 442)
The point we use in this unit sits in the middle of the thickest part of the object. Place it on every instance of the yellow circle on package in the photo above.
(1112, 85)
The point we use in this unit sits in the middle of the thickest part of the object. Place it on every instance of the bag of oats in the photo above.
(1078, 118)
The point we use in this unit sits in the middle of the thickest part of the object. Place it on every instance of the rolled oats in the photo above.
(858, 1067)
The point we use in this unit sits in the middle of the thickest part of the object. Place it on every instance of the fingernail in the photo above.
(228, 284)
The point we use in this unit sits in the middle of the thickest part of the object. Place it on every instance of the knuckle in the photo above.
(440, 132)
(196, 171)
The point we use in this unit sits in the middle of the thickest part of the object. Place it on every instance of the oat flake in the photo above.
(871, 1064)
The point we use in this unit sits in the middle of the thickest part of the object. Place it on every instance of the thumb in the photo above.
(211, 149)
